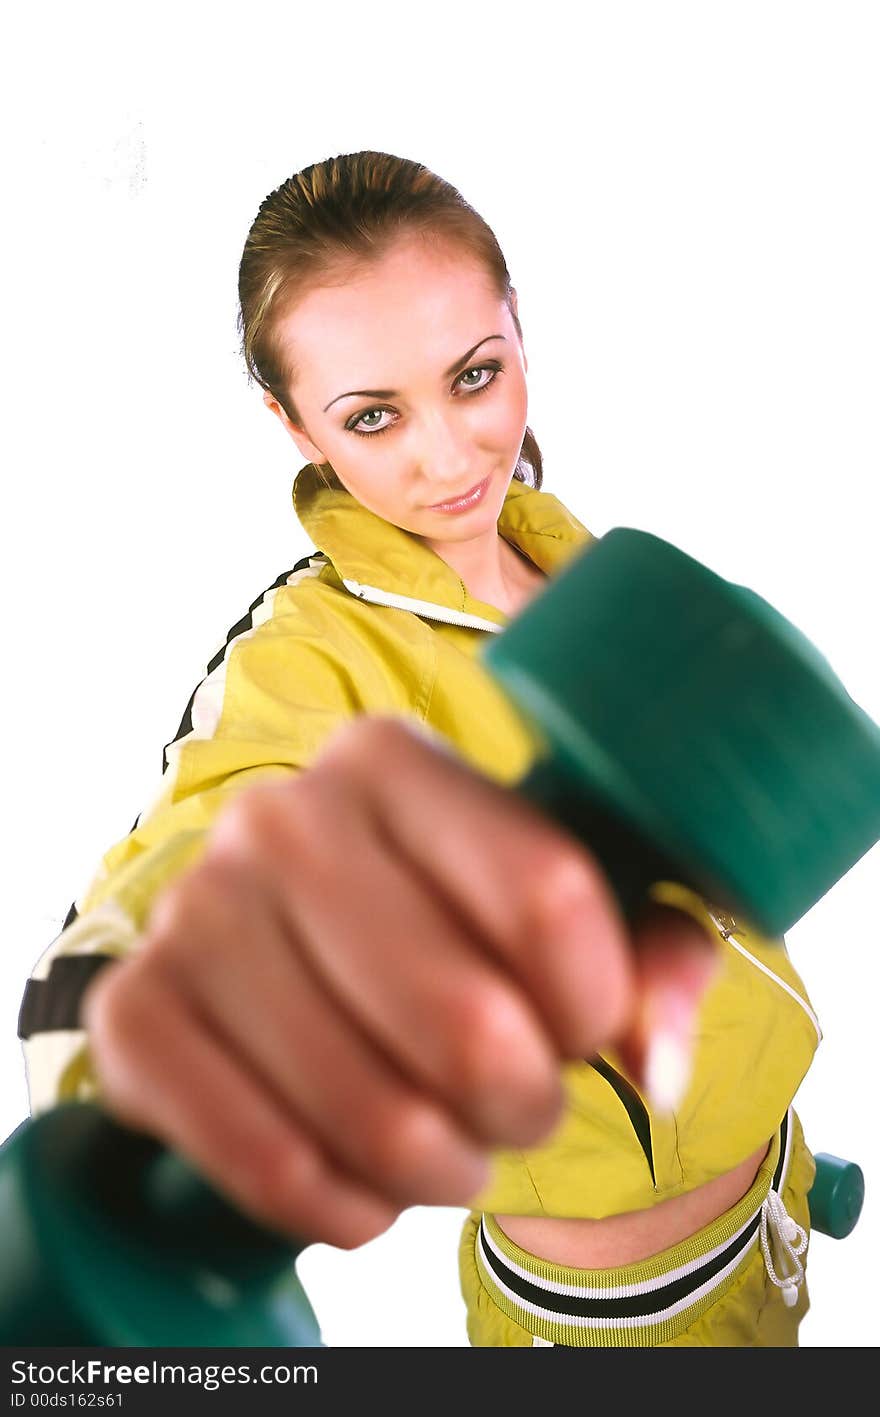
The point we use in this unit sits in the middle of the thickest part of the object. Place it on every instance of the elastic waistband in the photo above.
(639, 1304)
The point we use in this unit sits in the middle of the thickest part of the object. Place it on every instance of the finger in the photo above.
(676, 961)
(162, 1072)
(534, 894)
(394, 957)
(362, 1110)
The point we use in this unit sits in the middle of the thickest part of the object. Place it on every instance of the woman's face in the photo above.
(411, 383)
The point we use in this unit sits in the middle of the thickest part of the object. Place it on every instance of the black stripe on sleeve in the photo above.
(239, 628)
(53, 1003)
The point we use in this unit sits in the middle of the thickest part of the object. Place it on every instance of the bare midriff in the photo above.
(635, 1235)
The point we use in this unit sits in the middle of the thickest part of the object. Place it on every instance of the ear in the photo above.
(310, 451)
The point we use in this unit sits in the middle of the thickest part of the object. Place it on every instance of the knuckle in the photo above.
(117, 1017)
(204, 905)
(506, 1069)
(324, 785)
(177, 920)
(368, 740)
(301, 848)
(408, 1143)
(112, 1004)
(220, 890)
(491, 1027)
(283, 1176)
(352, 1231)
(563, 884)
(172, 907)
(120, 1097)
(293, 1185)
(252, 819)
(274, 826)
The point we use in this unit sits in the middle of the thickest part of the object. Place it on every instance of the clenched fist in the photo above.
(369, 981)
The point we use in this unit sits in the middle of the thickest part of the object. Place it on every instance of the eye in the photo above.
(374, 431)
(479, 369)
(371, 431)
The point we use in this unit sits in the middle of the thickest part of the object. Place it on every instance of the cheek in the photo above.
(379, 490)
(512, 411)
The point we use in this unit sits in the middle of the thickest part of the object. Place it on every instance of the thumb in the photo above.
(676, 959)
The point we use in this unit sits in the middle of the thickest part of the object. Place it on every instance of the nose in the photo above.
(446, 459)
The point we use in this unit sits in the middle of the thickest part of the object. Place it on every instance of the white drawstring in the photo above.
(791, 1239)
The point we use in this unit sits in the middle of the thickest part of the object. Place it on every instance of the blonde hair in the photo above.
(323, 223)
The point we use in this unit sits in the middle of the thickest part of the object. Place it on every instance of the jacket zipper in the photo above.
(424, 608)
(635, 1107)
(726, 927)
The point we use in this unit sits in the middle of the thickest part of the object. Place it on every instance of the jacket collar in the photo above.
(370, 552)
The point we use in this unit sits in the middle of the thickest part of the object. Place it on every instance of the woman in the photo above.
(352, 971)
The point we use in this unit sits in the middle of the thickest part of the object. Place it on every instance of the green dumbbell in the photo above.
(687, 731)
(110, 1239)
(836, 1195)
(684, 731)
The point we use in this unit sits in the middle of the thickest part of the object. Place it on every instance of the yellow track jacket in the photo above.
(375, 622)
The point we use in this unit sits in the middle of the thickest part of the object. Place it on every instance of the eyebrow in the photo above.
(393, 393)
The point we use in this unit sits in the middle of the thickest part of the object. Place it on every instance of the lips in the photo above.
(472, 495)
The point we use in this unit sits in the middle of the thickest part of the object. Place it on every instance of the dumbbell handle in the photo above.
(630, 862)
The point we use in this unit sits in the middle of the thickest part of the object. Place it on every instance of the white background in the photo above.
(687, 198)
